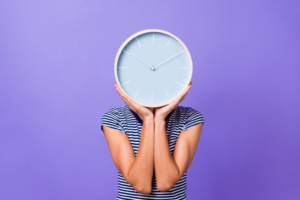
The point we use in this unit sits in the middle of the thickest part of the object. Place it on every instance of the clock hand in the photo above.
(167, 59)
(141, 60)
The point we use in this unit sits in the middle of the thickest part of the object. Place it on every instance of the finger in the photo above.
(129, 100)
(182, 96)
(187, 90)
(120, 93)
(184, 93)
(123, 96)
(132, 105)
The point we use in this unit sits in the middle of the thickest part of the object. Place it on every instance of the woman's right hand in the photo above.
(143, 112)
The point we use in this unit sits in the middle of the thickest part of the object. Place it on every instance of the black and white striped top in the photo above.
(126, 121)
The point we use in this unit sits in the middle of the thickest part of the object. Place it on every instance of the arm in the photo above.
(138, 171)
(169, 169)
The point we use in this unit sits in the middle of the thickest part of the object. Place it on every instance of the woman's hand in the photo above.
(162, 112)
(143, 112)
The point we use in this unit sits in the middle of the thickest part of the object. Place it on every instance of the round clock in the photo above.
(153, 67)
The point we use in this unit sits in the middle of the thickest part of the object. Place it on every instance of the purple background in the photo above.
(56, 81)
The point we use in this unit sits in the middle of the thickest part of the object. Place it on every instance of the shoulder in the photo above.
(190, 116)
(189, 111)
(110, 113)
(114, 111)
(113, 118)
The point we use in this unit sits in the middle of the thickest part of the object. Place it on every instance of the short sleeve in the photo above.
(111, 119)
(193, 117)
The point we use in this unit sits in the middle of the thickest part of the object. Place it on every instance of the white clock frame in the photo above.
(151, 31)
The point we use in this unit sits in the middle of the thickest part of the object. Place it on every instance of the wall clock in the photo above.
(153, 67)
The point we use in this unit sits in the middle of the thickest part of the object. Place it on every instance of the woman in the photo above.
(152, 148)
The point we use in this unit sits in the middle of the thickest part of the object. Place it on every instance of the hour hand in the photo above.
(141, 60)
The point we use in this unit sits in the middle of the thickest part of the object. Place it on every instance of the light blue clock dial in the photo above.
(153, 68)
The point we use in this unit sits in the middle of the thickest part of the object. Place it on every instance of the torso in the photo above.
(131, 125)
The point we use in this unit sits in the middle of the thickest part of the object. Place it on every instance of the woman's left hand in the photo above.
(162, 112)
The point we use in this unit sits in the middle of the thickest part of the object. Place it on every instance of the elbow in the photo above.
(143, 189)
(164, 187)
(141, 186)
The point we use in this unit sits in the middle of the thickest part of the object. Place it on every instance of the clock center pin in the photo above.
(152, 68)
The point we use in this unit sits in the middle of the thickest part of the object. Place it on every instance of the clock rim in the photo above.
(140, 33)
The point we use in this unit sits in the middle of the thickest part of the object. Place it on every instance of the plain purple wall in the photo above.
(56, 81)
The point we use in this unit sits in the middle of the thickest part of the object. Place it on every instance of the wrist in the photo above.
(159, 120)
(149, 119)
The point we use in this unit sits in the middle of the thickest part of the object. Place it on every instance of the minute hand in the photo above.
(167, 60)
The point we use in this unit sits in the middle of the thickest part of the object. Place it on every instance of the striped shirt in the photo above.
(126, 121)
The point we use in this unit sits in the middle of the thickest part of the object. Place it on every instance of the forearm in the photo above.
(166, 170)
(141, 171)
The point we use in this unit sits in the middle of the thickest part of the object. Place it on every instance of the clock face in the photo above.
(153, 67)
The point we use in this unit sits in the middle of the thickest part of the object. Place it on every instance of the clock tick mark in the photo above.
(167, 94)
(126, 82)
(138, 41)
(126, 52)
(168, 41)
(178, 83)
(136, 93)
